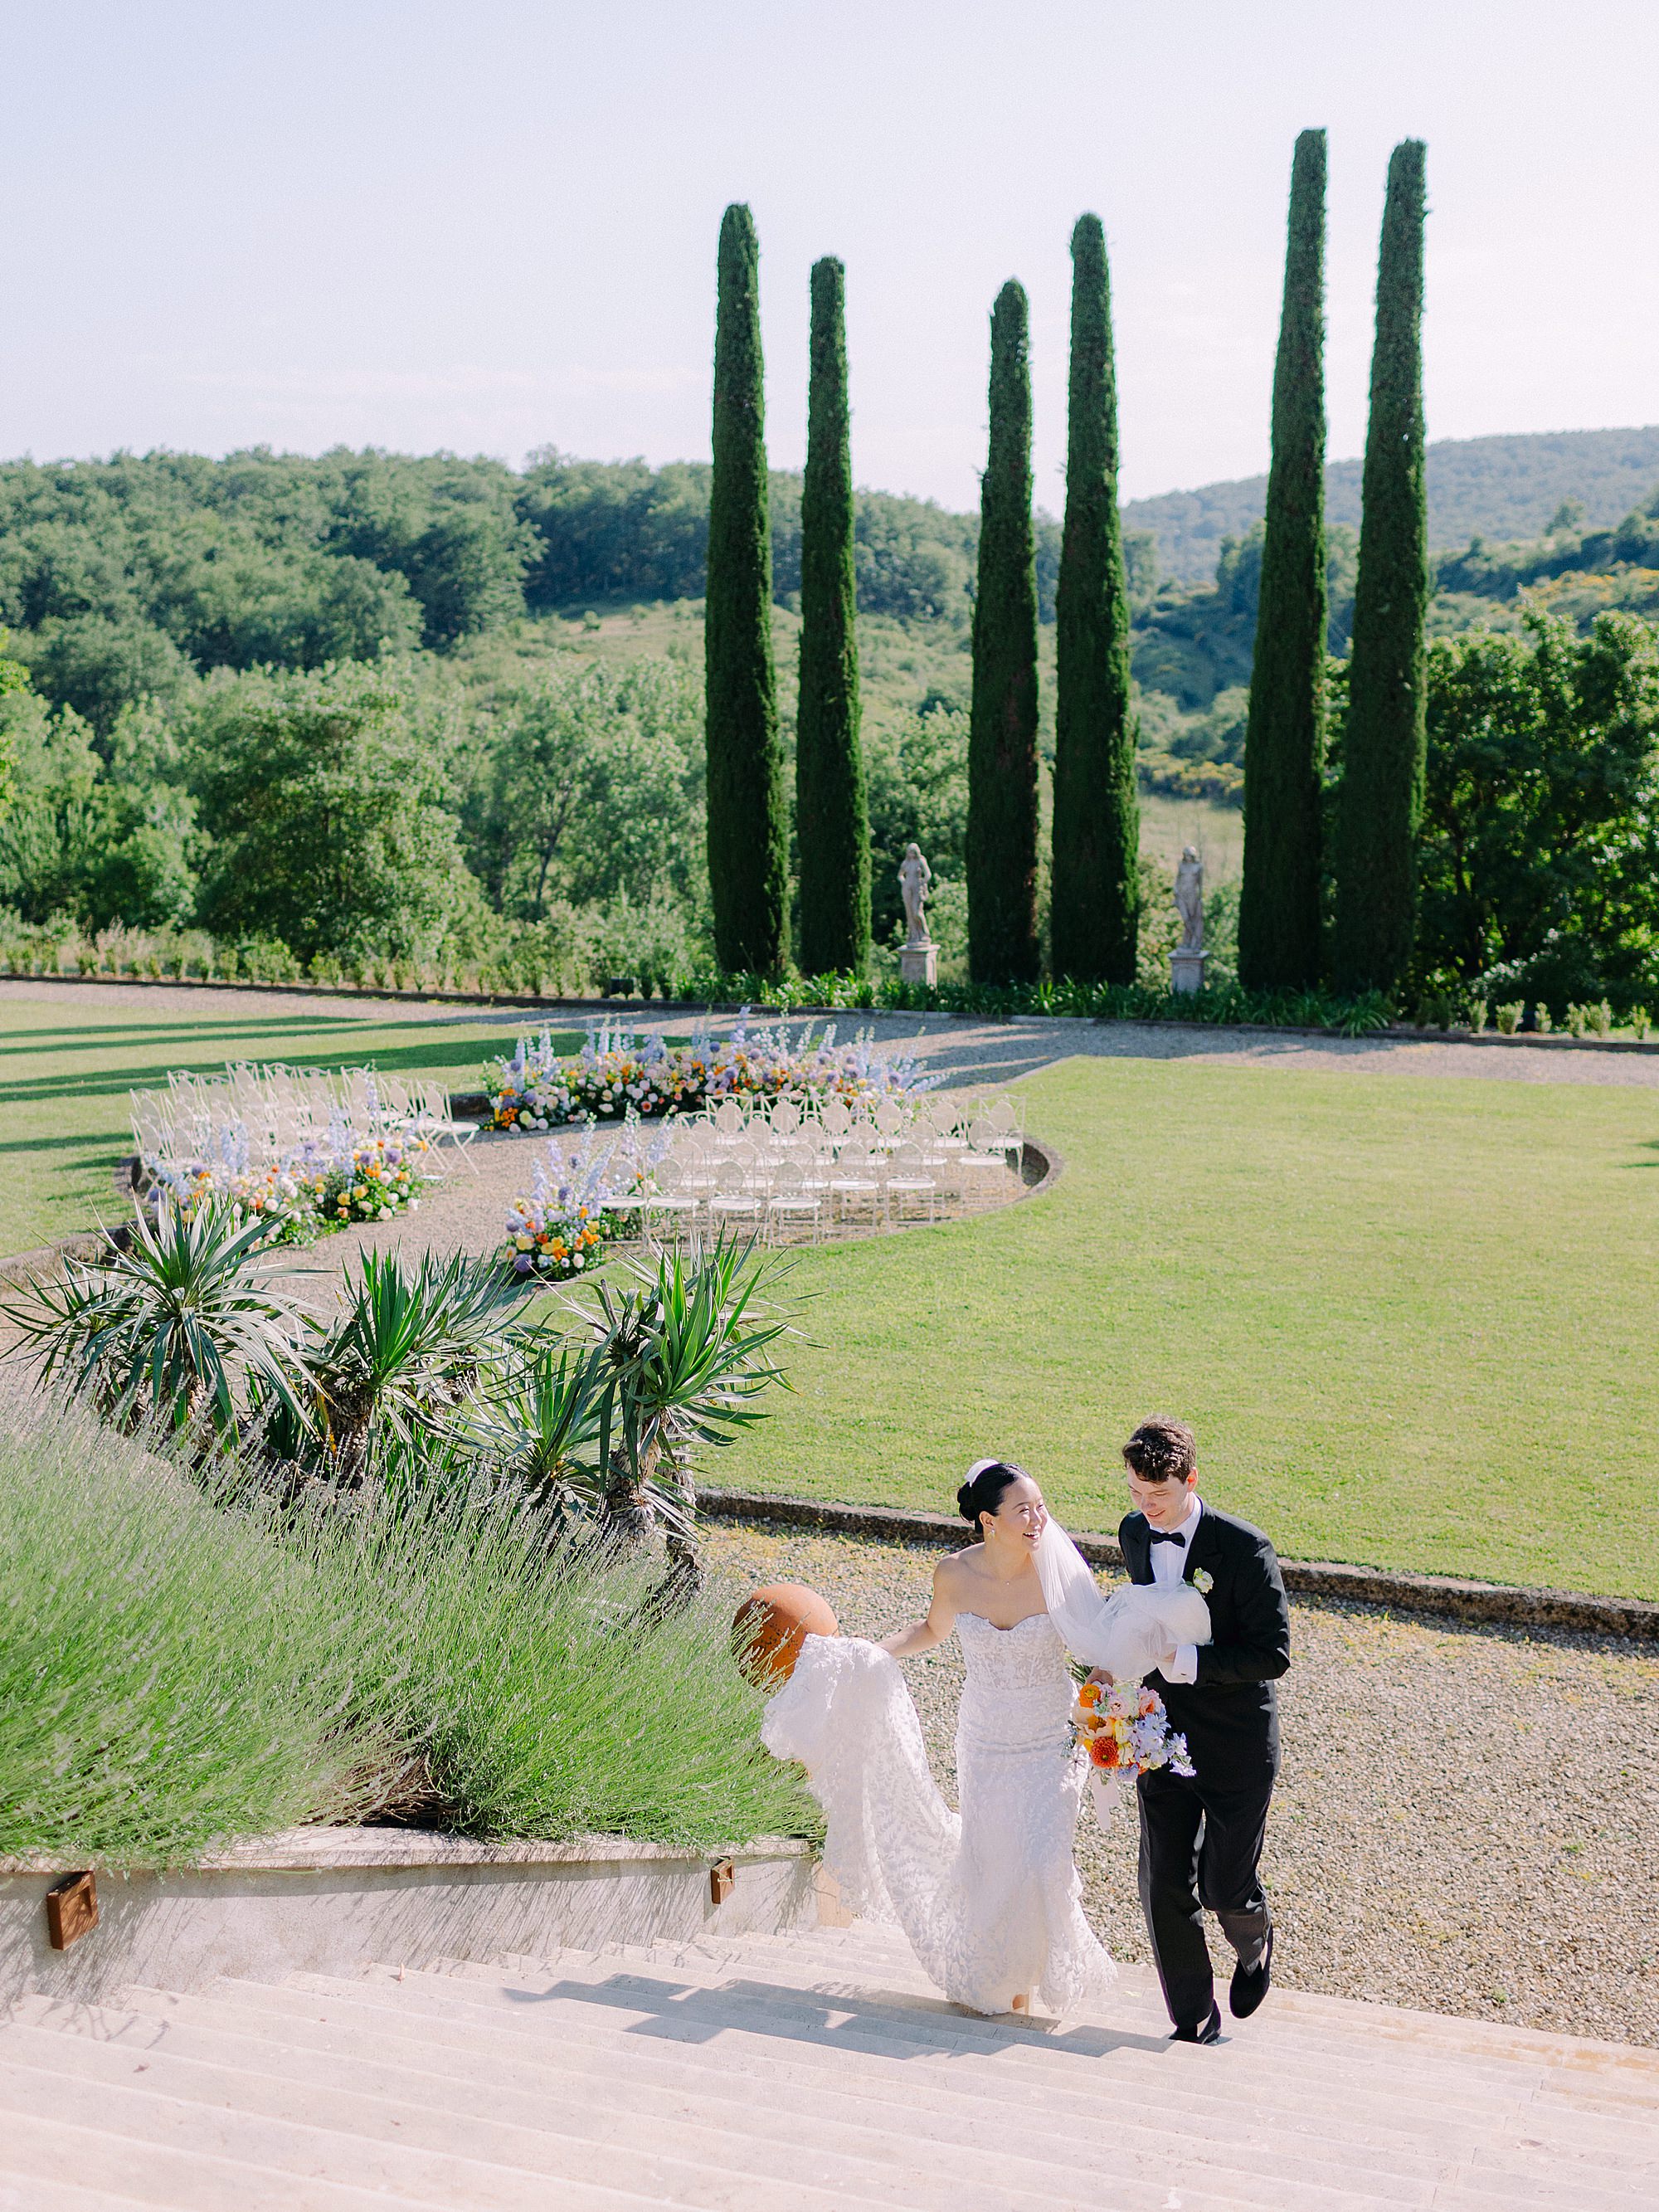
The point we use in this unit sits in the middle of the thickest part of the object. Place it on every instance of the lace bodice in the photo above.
(1027, 1655)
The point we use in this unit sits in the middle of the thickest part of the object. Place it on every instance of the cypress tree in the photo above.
(1002, 739)
(1284, 736)
(1380, 801)
(748, 842)
(1096, 833)
(832, 823)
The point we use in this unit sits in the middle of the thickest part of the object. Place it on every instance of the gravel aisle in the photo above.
(1466, 1822)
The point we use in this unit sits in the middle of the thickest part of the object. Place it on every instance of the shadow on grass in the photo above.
(433, 1055)
(149, 1033)
(114, 1143)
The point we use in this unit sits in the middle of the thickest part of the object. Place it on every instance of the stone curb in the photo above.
(1398, 1589)
(1556, 1041)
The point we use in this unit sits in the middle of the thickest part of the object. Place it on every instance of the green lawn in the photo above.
(65, 1071)
(1410, 1319)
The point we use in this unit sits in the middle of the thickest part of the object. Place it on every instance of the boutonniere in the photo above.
(1204, 1581)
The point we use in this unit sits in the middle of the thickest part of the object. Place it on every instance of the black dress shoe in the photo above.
(1207, 2031)
(1250, 1984)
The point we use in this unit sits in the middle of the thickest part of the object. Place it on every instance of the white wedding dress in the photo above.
(989, 1897)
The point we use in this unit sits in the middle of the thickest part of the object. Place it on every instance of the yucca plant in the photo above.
(406, 1354)
(538, 1432)
(682, 1358)
(162, 1331)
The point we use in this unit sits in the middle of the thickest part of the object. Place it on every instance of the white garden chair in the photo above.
(909, 1182)
(673, 1201)
(792, 1203)
(732, 1199)
(855, 1183)
(835, 1121)
(431, 1121)
(890, 1118)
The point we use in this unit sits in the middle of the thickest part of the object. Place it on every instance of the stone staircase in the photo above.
(817, 2072)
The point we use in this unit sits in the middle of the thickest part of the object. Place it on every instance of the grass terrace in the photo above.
(68, 1068)
(1411, 1319)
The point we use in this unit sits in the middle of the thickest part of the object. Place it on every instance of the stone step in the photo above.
(40, 2150)
(35, 2193)
(973, 2155)
(89, 2088)
(488, 2118)
(1622, 2070)
(754, 2044)
(795, 2066)
(922, 2015)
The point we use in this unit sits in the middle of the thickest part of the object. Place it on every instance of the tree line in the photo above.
(1093, 874)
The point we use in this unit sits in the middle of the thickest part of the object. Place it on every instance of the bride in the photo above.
(989, 1897)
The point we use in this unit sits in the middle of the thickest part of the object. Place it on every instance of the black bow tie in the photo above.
(1167, 1536)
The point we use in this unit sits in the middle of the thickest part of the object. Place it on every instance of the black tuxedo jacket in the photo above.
(1229, 1715)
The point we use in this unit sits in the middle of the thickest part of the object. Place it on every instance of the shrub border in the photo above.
(1400, 1591)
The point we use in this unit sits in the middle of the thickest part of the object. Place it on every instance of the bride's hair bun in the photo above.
(982, 1491)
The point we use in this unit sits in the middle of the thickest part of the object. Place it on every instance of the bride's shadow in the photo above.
(897, 2023)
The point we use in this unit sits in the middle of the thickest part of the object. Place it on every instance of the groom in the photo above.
(1200, 1839)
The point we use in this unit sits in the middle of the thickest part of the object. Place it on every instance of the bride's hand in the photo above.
(1099, 1674)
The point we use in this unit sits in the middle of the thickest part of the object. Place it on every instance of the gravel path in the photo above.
(1468, 1822)
(467, 1212)
(963, 1051)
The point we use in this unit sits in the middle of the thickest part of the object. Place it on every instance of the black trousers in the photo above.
(1200, 1846)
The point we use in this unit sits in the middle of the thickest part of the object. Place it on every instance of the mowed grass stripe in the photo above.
(1409, 1318)
(64, 1077)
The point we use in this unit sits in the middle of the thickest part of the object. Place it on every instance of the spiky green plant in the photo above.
(683, 1356)
(407, 1351)
(537, 1430)
(170, 1328)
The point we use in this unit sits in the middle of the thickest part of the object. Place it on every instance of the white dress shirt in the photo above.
(1169, 1565)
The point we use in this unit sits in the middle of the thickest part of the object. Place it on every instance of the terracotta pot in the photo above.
(771, 1626)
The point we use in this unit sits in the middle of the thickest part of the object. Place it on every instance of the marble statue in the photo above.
(918, 955)
(914, 876)
(1189, 899)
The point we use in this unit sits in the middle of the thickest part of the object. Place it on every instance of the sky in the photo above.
(491, 227)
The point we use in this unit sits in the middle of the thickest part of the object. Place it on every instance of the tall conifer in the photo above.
(1095, 907)
(1002, 742)
(1284, 737)
(1381, 801)
(748, 840)
(832, 823)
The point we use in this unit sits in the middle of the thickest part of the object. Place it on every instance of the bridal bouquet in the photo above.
(1126, 1731)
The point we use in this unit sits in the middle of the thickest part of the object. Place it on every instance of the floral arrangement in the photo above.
(579, 1201)
(1125, 1730)
(321, 1185)
(382, 1179)
(616, 1074)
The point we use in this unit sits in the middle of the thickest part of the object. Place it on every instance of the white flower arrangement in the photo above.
(1203, 1582)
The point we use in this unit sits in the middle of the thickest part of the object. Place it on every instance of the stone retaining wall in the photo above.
(334, 1901)
(1397, 1589)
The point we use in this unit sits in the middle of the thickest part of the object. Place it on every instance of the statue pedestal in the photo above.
(1187, 970)
(919, 963)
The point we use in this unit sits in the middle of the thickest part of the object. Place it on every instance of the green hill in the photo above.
(1504, 487)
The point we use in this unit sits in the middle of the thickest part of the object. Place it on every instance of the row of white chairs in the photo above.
(778, 1192)
(273, 1113)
